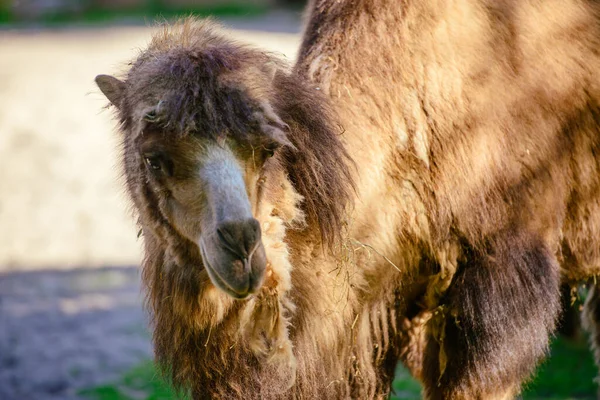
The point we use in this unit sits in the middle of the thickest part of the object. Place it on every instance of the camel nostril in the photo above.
(252, 235)
(226, 238)
(240, 237)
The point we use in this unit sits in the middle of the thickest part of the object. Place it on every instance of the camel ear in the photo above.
(111, 87)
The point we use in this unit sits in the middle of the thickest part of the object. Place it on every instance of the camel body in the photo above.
(475, 126)
(472, 130)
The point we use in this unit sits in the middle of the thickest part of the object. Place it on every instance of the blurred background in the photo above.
(72, 323)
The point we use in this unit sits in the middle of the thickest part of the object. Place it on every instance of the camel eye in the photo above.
(270, 149)
(150, 116)
(153, 162)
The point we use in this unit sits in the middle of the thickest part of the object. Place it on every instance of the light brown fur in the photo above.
(473, 127)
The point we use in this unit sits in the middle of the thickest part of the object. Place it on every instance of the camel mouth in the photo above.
(247, 276)
(221, 284)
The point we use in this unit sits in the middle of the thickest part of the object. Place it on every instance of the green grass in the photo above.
(404, 386)
(145, 14)
(5, 12)
(568, 374)
(104, 16)
(142, 382)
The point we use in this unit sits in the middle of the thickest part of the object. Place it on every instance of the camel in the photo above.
(415, 188)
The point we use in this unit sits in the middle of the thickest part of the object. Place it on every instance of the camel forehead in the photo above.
(205, 59)
(190, 92)
(154, 77)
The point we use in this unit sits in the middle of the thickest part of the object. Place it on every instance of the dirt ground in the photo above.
(70, 301)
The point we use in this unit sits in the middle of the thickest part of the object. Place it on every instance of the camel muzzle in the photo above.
(234, 257)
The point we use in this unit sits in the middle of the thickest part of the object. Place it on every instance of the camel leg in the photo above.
(494, 322)
(591, 321)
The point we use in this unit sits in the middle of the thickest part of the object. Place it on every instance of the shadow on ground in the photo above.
(61, 331)
(83, 332)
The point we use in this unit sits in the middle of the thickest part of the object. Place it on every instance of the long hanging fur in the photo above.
(203, 85)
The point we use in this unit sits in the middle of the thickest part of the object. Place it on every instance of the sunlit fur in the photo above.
(473, 127)
(484, 116)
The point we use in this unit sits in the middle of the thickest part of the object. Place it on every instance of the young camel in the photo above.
(414, 189)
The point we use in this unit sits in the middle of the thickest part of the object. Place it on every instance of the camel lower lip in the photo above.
(223, 285)
(218, 281)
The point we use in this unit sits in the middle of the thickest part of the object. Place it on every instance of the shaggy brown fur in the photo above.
(490, 111)
(191, 64)
(475, 128)
(187, 83)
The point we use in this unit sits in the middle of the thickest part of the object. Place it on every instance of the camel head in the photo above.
(200, 134)
(217, 138)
